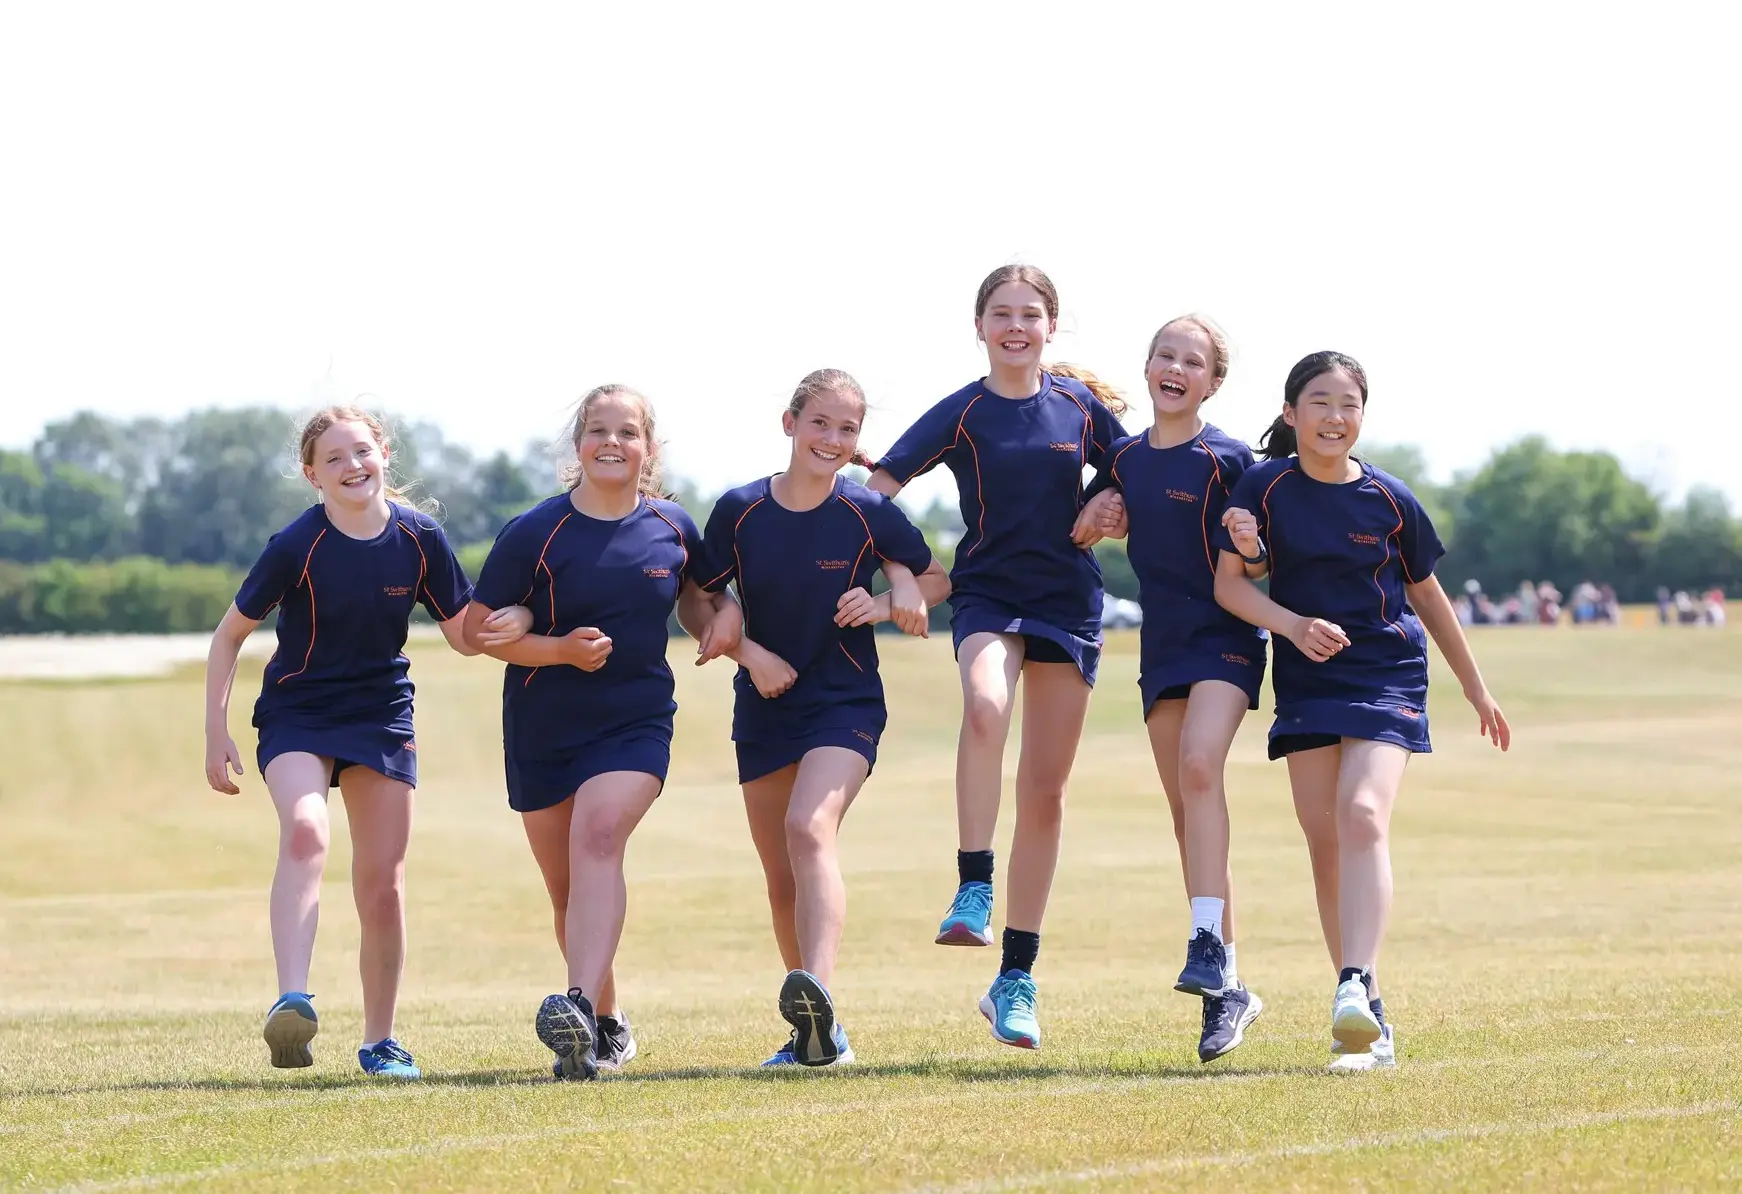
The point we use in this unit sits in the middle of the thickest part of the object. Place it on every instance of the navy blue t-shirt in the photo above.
(1344, 553)
(1174, 498)
(1018, 465)
(791, 568)
(344, 605)
(621, 577)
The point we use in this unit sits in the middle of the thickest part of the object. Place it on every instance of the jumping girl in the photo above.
(802, 547)
(1201, 667)
(335, 711)
(1026, 602)
(587, 701)
(1350, 555)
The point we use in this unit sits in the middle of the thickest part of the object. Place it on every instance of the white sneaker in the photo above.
(1382, 1055)
(1353, 1024)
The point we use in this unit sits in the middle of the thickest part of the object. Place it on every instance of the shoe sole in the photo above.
(990, 1011)
(1186, 987)
(807, 1007)
(960, 934)
(576, 1067)
(1240, 1027)
(562, 1027)
(617, 1063)
(288, 1033)
(1355, 1028)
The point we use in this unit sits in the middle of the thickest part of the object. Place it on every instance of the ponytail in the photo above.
(1277, 443)
(862, 460)
(1103, 393)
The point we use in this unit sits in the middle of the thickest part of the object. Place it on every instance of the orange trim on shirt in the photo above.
(1215, 479)
(849, 655)
(869, 538)
(1394, 533)
(423, 571)
(311, 607)
(681, 546)
(542, 552)
(1264, 504)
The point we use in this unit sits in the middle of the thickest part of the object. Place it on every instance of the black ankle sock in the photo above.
(1020, 951)
(974, 866)
(1349, 972)
(1378, 1008)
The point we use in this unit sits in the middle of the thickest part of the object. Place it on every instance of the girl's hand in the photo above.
(1103, 516)
(1493, 720)
(722, 634)
(858, 608)
(1317, 639)
(1242, 528)
(907, 607)
(587, 648)
(222, 758)
(505, 626)
(771, 674)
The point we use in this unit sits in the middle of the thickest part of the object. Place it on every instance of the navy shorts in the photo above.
(1041, 643)
(390, 751)
(535, 784)
(1308, 725)
(757, 759)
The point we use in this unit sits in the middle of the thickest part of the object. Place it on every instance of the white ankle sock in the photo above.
(1207, 914)
(1230, 976)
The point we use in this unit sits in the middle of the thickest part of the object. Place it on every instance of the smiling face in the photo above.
(1327, 417)
(611, 441)
(825, 433)
(348, 464)
(1015, 325)
(1181, 370)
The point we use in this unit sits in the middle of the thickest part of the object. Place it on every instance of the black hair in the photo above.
(1278, 443)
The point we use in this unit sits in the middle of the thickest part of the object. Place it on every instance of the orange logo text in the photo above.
(657, 573)
(397, 590)
(1364, 539)
(1064, 446)
(1180, 495)
(1239, 659)
(834, 565)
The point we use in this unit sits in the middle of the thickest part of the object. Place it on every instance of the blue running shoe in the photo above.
(566, 1026)
(388, 1059)
(806, 1006)
(843, 1052)
(1206, 962)
(969, 921)
(1009, 1008)
(290, 1025)
(1226, 1018)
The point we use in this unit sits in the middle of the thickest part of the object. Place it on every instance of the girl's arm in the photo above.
(881, 482)
(222, 757)
(503, 627)
(907, 603)
(1317, 639)
(585, 647)
(771, 674)
(1435, 610)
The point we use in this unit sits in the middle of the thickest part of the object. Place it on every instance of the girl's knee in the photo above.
(305, 836)
(808, 834)
(986, 715)
(1362, 820)
(1200, 774)
(381, 898)
(604, 833)
(1043, 805)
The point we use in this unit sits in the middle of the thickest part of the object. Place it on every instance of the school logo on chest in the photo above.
(1364, 539)
(1180, 495)
(834, 565)
(657, 573)
(1065, 445)
(397, 590)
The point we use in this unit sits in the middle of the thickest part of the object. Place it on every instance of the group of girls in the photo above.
(577, 593)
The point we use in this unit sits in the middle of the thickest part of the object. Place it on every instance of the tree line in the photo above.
(146, 524)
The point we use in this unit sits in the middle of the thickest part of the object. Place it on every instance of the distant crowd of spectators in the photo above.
(1541, 604)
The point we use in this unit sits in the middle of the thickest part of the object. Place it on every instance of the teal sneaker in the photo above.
(1009, 1008)
(290, 1025)
(388, 1059)
(969, 921)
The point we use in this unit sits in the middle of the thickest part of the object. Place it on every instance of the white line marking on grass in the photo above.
(1332, 1147)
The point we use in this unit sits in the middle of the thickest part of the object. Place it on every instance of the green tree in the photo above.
(85, 516)
(230, 483)
(1408, 464)
(1701, 545)
(23, 529)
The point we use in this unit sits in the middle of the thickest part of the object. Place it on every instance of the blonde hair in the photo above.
(831, 381)
(1218, 344)
(1105, 394)
(325, 420)
(571, 474)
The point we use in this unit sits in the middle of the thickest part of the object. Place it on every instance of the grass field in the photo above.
(1563, 964)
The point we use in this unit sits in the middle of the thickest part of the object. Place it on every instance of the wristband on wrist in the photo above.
(1263, 554)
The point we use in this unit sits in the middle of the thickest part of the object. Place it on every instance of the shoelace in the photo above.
(1205, 948)
(1021, 994)
(393, 1051)
(976, 900)
(1215, 1011)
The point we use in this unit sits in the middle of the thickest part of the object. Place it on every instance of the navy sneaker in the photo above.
(566, 1025)
(290, 1025)
(806, 1006)
(1226, 1018)
(1206, 962)
(388, 1059)
(616, 1046)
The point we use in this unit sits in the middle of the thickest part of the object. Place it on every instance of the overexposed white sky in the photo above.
(1520, 218)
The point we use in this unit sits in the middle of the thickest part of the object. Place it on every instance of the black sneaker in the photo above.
(1206, 960)
(616, 1045)
(566, 1025)
(1226, 1018)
